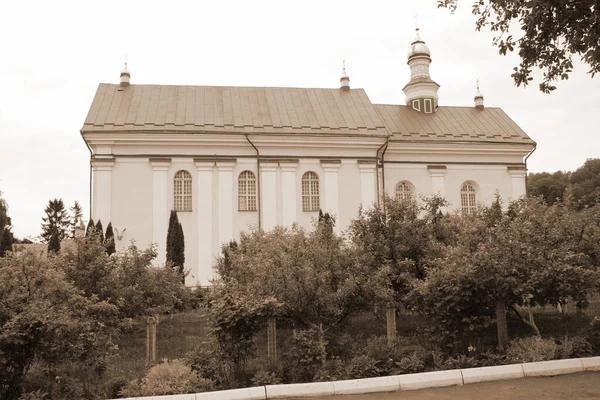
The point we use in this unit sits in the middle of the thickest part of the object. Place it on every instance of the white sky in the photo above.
(54, 54)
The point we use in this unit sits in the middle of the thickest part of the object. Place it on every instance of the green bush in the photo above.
(305, 356)
(263, 378)
(332, 370)
(208, 361)
(363, 367)
(531, 349)
(461, 361)
(410, 364)
(171, 377)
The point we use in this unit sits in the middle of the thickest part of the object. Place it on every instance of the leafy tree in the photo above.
(44, 318)
(4, 218)
(6, 241)
(90, 228)
(530, 255)
(550, 186)
(110, 240)
(55, 221)
(100, 231)
(401, 239)
(585, 184)
(54, 243)
(76, 216)
(176, 244)
(552, 33)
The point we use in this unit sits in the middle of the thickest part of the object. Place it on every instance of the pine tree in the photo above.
(100, 231)
(54, 243)
(76, 216)
(90, 228)
(110, 240)
(55, 221)
(6, 241)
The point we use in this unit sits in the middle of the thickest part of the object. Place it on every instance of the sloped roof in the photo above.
(451, 124)
(201, 109)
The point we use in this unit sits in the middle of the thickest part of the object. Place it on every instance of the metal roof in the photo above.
(211, 109)
(200, 109)
(456, 124)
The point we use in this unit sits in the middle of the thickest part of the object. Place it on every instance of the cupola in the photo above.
(478, 99)
(345, 79)
(125, 76)
(421, 92)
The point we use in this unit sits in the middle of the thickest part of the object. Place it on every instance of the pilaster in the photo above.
(225, 203)
(289, 195)
(367, 183)
(518, 183)
(102, 195)
(204, 211)
(160, 206)
(268, 172)
(438, 179)
(332, 189)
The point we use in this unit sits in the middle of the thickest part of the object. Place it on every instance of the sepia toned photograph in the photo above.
(331, 200)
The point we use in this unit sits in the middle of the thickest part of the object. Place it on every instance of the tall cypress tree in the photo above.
(100, 231)
(54, 243)
(175, 243)
(109, 240)
(170, 232)
(90, 228)
(6, 241)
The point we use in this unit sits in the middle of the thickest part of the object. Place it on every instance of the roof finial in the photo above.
(478, 98)
(416, 17)
(345, 79)
(125, 74)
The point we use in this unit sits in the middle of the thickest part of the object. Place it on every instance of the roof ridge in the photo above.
(404, 105)
(230, 86)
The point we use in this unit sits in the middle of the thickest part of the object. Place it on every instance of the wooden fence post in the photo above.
(272, 338)
(390, 314)
(151, 340)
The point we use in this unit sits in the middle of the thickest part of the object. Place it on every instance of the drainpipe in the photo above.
(384, 147)
(526, 174)
(259, 191)
(90, 180)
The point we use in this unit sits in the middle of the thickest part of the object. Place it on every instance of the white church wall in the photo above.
(417, 175)
(131, 202)
(350, 193)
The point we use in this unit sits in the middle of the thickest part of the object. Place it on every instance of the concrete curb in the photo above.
(496, 373)
(554, 367)
(367, 385)
(591, 363)
(299, 390)
(430, 379)
(397, 382)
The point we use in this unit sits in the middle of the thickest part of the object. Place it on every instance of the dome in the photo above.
(418, 47)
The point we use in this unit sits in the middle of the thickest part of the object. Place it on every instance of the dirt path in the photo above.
(584, 385)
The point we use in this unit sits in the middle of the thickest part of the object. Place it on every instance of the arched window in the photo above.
(310, 191)
(247, 191)
(468, 200)
(182, 191)
(403, 191)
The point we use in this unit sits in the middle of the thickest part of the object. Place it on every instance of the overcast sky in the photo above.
(54, 54)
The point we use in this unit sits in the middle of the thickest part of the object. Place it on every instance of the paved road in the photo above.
(584, 385)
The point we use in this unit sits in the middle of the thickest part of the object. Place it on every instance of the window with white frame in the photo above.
(416, 105)
(310, 191)
(182, 191)
(403, 191)
(428, 106)
(468, 199)
(247, 191)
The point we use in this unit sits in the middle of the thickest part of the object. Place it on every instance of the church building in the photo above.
(231, 158)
